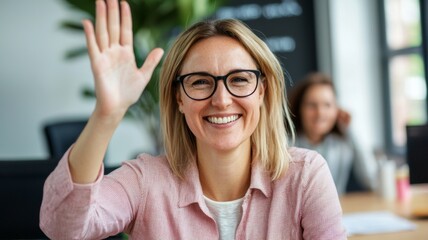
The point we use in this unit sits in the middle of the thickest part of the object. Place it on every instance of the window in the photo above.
(405, 73)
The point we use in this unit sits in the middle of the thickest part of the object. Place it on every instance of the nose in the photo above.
(319, 110)
(221, 97)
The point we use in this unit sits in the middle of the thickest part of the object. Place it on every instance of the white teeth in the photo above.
(222, 120)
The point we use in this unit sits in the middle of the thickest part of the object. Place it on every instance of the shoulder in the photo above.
(339, 141)
(158, 162)
(150, 167)
(146, 162)
(302, 156)
(304, 165)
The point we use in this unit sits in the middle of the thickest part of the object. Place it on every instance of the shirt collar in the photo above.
(190, 186)
(191, 189)
(260, 179)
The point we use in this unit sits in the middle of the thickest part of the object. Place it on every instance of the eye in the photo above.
(310, 105)
(238, 81)
(199, 82)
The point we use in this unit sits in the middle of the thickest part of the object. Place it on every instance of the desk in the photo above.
(368, 201)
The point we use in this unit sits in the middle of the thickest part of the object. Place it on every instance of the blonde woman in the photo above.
(227, 172)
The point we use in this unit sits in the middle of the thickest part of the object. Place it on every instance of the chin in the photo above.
(227, 145)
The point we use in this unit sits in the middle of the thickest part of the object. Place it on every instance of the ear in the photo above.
(179, 100)
(261, 90)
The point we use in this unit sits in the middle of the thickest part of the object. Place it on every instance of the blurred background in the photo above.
(375, 52)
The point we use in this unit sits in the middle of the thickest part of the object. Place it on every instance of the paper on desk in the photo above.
(375, 222)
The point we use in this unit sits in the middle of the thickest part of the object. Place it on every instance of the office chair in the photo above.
(21, 187)
(60, 135)
(417, 152)
(353, 184)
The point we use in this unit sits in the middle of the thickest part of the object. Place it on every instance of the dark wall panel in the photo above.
(287, 26)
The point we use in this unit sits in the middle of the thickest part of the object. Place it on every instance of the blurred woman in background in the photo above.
(322, 126)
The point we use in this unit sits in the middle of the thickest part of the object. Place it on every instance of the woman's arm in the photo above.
(77, 202)
(118, 84)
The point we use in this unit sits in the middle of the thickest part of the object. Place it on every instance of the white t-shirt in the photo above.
(227, 216)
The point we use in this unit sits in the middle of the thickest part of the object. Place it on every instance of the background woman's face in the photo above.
(318, 110)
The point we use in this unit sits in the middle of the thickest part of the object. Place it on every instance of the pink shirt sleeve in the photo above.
(78, 211)
(321, 222)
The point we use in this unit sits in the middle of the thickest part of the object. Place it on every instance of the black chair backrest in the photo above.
(353, 184)
(60, 136)
(21, 187)
(417, 153)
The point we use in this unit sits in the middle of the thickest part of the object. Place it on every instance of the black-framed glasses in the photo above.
(202, 85)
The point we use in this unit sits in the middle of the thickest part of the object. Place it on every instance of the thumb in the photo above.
(152, 60)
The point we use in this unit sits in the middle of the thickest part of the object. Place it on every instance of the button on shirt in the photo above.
(146, 200)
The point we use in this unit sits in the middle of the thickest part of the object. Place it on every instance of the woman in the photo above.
(321, 125)
(227, 172)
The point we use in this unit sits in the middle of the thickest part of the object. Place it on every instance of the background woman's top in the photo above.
(343, 156)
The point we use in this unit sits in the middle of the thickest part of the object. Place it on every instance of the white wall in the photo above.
(37, 85)
(349, 51)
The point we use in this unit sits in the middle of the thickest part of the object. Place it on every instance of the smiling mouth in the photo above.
(222, 120)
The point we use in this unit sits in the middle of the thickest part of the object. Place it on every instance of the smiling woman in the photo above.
(322, 125)
(227, 167)
(223, 52)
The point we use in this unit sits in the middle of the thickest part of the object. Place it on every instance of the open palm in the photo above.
(118, 81)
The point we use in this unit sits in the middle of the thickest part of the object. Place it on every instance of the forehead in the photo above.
(319, 91)
(217, 55)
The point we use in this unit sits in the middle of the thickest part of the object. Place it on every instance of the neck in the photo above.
(314, 139)
(225, 176)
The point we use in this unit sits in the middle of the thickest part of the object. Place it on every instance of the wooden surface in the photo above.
(368, 201)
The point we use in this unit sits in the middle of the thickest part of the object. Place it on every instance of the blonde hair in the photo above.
(270, 138)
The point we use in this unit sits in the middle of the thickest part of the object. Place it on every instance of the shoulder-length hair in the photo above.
(270, 139)
(298, 93)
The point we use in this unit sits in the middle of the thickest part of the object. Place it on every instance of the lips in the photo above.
(222, 120)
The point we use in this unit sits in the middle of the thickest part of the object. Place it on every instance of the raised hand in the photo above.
(118, 84)
(118, 81)
(343, 119)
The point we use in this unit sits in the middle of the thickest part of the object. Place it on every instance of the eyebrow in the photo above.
(231, 70)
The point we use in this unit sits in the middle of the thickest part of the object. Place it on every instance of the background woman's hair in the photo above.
(297, 95)
(270, 139)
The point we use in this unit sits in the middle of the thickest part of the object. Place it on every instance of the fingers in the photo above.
(110, 27)
(113, 21)
(126, 24)
(151, 62)
(91, 41)
(101, 25)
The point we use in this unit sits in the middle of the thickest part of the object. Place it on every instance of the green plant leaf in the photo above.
(71, 25)
(76, 52)
(85, 6)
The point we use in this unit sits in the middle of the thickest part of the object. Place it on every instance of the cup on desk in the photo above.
(394, 182)
(402, 183)
(387, 186)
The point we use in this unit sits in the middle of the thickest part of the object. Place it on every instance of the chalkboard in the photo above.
(287, 27)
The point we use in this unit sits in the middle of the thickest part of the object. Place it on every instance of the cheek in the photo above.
(308, 114)
(331, 114)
